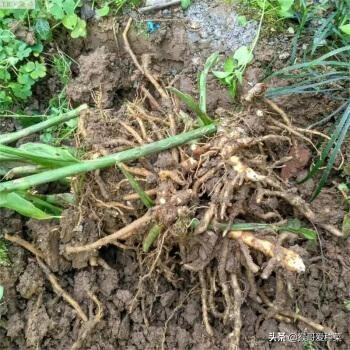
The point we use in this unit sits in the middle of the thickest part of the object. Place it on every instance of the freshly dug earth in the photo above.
(154, 300)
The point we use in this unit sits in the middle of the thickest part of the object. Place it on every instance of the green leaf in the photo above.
(145, 198)
(239, 76)
(292, 226)
(42, 28)
(229, 65)
(16, 202)
(185, 4)
(151, 237)
(69, 6)
(346, 225)
(20, 91)
(79, 30)
(5, 75)
(29, 67)
(211, 60)
(347, 304)
(243, 56)
(42, 204)
(56, 11)
(340, 137)
(305, 232)
(192, 105)
(39, 71)
(25, 79)
(242, 20)
(345, 28)
(70, 21)
(221, 75)
(1, 292)
(37, 48)
(104, 11)
(39, 153)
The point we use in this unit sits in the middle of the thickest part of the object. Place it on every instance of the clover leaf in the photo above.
(79, 30)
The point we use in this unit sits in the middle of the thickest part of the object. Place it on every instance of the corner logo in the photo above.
(17, 4)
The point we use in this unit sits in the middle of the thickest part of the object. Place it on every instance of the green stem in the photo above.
(107, 161)
(14, 136)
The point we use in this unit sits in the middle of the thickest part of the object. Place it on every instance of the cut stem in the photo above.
(107, 161)
(14, 136)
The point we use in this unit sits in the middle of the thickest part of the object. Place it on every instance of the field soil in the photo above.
(135, 300)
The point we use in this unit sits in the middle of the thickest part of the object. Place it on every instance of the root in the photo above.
(212, 291)
(289, 259)
(132, 132)
(279, 110)
(101, 184)
(24, 244)
(248, 258)
(173, 313)
(146, 61)
(303, 208)
(235, 335)
(204, 304)
(173, 175)
(60, 291)
(137, 171)
(128, 47)
(153, 102)
(204, 223)
(148, 274)
(224, 282)
(89, 326)
(123, 233)
(136, 196)
(295, 316)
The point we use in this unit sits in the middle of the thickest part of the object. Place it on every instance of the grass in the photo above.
(328, 74)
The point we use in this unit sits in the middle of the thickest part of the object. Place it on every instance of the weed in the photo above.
(322, 75)
(120, 4)
(234, 68)
(347, 305)
(185, 4)
(22, 63)
(200, 108)
(4, 259)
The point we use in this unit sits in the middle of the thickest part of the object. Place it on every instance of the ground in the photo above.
(159, 306)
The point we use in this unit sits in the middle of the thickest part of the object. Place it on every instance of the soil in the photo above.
(159, 306)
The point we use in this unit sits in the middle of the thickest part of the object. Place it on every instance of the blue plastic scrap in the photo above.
(152, 27)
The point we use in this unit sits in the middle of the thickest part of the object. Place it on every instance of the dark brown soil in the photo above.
(164, 311)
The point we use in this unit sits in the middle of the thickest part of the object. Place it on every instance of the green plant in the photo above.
(19, 68)
(63, 11)
(234, 68)
(200, 108)
(347, 305)
(276, 8)
(22, 35)
(145, 198)
(293, 226)
(185, 4)
(4, 259)
(14, 193)
(326, 74)
(122, 3)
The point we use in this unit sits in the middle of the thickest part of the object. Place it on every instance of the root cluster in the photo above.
(229, 178)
